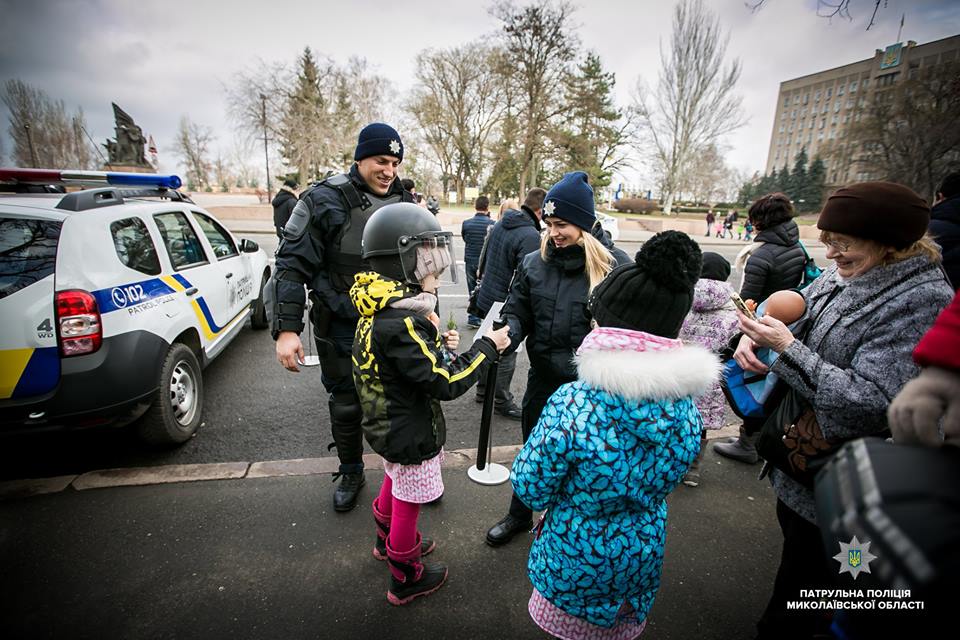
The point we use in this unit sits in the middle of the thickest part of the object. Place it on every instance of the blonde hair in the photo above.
(599, 260)
(888, 255)
(509, 203)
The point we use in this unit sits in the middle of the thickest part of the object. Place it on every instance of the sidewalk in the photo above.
(268, 558)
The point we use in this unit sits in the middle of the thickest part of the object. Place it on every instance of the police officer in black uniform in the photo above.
(321, 249)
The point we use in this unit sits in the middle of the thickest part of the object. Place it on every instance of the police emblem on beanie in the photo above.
(378, 139)
(655, 293)
(571, 199)
(886, 212)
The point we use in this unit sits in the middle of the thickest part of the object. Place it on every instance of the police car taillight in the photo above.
(78, 323)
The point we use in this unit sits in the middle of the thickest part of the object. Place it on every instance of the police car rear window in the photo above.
(28, 252)
(134, 246)
(183, 245)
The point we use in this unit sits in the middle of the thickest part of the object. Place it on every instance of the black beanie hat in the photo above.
(715, 267)
(656, 292)
(886, 212)
(378, 139)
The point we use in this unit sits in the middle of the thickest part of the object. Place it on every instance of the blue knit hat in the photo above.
(571, 199)
(378, 139)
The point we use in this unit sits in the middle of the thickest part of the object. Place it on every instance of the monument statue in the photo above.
(127, 149)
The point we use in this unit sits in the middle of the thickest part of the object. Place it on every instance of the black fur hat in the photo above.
(656, 292)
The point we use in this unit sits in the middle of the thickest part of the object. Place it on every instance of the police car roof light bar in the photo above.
(92, 178)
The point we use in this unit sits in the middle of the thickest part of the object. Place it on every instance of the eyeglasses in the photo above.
(837, 245)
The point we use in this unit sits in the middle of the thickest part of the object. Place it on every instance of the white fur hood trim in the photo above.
(689, 370)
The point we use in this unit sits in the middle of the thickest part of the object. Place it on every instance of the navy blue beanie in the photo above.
(378, 139)
(571, 199)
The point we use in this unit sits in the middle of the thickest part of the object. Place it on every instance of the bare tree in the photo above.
(40, 126)
(910, 133)
(539, 43)
(457, 107)
(694, 104)
(827, 9)
(192, 145)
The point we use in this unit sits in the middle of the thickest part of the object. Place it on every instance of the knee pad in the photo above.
(345, 410)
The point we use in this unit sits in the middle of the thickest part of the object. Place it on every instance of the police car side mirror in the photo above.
(248, 246)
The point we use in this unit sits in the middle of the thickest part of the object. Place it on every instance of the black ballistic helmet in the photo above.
(393, 234)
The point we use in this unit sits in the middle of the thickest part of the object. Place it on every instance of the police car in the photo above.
(113, 299)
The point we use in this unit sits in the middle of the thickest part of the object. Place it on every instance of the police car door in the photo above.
(199, 275)
(238, 275)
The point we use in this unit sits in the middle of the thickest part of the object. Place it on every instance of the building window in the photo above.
(816, 97)
(820, 136)
(812, 122)
(836, 106)
(840, 90)
(826, 107)
(829, 91)
(822, 123)
(796, 99)
(853, 87)
(834, 120)
(865, 83)
(806, 98)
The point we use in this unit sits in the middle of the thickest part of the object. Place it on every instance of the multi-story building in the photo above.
(816, 111)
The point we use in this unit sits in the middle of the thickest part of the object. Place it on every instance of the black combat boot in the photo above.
(345, 497)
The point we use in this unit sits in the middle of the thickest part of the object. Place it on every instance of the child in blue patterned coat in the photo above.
(610, 447)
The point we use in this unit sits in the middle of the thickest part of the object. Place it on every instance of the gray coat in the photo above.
(857, 355)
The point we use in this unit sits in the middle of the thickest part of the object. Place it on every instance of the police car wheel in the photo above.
(258, 314)
(176, 411)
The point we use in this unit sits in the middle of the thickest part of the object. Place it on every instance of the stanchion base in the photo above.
(310, 361)
(491, 474)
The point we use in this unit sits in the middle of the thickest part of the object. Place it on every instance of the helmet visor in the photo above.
(429, 253)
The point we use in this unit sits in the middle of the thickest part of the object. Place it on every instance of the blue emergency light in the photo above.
(89, 178)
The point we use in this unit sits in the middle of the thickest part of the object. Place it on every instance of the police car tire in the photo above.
(180, 381)
(258, 315)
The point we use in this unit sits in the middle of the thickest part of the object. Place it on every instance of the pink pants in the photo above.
(403, 517)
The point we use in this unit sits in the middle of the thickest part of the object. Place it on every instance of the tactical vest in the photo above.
(344, 256)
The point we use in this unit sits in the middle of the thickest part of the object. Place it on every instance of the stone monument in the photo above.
(126, 152)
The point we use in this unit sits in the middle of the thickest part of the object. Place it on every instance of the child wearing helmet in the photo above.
(401, 374)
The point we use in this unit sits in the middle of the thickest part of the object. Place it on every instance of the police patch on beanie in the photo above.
(378, 139)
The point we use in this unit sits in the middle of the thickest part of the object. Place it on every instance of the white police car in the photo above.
(113, 299)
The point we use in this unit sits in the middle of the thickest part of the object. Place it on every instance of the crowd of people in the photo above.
(625, 368)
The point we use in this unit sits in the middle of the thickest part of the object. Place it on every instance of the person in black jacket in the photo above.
(283, 204)
(474, 232)
(402, 372)
(321, 248)
(945, 226)
(516, 234)
(772, 263)
(547, 305)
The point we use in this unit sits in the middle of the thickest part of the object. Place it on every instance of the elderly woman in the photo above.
(772, 263)
(867, 312)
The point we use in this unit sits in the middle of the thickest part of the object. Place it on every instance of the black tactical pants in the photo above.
(336, 374)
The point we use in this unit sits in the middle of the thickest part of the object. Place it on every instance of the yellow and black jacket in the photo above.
(400, 372)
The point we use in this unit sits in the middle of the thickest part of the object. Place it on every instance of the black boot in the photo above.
(409, 577)
(383, 532)
(345, 497)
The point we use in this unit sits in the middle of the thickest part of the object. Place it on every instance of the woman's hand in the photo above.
(929, 400)
(766, 332)
(500, 337)
(451, 339)
(746, 358)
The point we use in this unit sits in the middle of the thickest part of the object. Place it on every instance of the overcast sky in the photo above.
(160, 60)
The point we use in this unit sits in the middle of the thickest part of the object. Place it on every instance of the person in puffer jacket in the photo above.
(711, 323)
(612, 445)
(402, 372)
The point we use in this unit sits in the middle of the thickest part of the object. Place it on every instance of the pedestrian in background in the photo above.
(711, 323)
(773, 262)
(546, 307)
(283, 204)
(509, 204)
(945, 225)
(515, 235)
(474, 233)
(710, 220)
(611, 446)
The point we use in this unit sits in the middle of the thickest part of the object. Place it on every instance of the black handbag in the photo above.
(791, 440)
